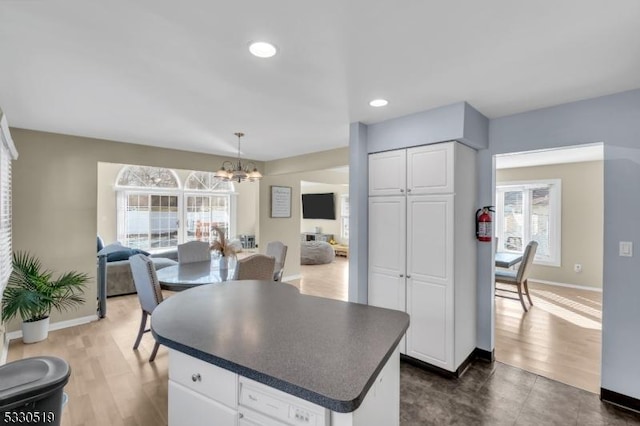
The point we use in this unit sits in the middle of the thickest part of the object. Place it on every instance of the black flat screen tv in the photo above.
(318, 206)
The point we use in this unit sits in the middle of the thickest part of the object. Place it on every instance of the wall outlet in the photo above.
(626, 248)
(577, 267)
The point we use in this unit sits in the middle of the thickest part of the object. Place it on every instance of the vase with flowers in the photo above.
(225, 250)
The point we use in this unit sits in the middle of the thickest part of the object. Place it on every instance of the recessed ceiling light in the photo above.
(262, 49)
(379, 103)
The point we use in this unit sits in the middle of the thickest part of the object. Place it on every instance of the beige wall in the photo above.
(328, 226)
(246, 202)
(287, 230)
(54, 197)
(316, 161)
(582, 219)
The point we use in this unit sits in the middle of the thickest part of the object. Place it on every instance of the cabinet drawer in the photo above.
(207, 379)
(187, 407)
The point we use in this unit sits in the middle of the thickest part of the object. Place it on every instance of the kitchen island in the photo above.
(260, 353)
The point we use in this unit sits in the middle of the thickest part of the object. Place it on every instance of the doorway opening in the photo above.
(555, 198)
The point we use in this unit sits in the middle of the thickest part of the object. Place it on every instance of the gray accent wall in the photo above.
(358, 213)
(615, 121)
(459, 121)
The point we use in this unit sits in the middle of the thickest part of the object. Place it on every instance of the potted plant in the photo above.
(32, 293)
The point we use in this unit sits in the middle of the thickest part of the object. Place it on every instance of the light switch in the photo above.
(626, 248)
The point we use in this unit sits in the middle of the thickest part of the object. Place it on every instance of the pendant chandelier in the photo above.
(238, 172)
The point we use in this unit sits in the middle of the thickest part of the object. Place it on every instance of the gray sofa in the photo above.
(119, 279)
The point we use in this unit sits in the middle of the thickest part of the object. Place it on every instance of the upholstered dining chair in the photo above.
(518, 278)
(255, 267)
(149, 293)
(277, 250)
(194, 251)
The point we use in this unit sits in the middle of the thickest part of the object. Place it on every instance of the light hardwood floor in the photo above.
(111, 384)
(559, 338)
(330, 280)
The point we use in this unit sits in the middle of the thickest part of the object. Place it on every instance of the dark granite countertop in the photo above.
(324, 351)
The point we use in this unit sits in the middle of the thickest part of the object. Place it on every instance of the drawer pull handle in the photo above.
(402, 190)
(240, 415)
(253, 398)
(196, 377)
(409, 190)
(401, 275)
(408, 276)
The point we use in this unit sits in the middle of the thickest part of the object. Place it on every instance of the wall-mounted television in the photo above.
(318, 206)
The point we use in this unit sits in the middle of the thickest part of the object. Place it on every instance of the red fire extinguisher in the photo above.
(483, 224)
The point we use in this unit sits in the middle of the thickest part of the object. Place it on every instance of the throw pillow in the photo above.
(124, 254)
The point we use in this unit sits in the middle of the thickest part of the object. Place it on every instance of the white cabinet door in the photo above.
(430, 279)
(387, 252)
(430, 169)
(387, 173)
(187, 407)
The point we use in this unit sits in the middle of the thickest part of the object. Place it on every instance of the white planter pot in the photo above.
(35, 331)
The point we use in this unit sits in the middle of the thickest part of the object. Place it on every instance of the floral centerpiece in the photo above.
(222, 245)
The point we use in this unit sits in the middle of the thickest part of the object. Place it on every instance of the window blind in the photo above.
(8, 153)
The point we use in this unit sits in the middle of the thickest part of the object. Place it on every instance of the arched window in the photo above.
(147, 177)
(148, 207)
(208, 202)
(206, 181)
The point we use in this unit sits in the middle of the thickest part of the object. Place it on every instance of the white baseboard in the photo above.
(579, 287)
(292, 277)
(57, 325)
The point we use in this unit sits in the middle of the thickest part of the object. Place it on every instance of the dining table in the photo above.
(188, 275)
(505, 259)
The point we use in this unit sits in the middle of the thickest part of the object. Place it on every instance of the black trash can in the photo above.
(31, 391)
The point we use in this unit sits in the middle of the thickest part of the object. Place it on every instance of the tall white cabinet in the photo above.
(422, 247)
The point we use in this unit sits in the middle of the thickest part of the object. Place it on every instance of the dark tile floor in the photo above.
(498, 394)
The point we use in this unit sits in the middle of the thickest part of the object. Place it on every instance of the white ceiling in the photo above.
(179, 75)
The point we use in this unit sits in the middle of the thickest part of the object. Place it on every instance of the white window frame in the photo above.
(555, 215)
(123, 192)
(8, 153)
(233, 200)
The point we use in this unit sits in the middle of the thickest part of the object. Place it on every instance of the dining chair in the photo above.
(194, 251)
(255, 267)
(149, 293)
(518, 278)
(277, 250)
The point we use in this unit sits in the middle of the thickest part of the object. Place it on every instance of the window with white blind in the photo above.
(155, 212)
(8, 153)
(527, 211)
(209, 202)
(148, 210)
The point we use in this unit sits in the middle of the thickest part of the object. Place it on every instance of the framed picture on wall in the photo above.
(280, 201)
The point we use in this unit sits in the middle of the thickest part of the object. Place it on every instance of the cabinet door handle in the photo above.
(196, 377)
(409, 190)
(402, 190)
(240, 415)
(401, 275)
(408, 276)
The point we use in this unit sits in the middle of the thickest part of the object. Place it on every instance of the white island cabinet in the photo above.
(259, 353)
(202, 394)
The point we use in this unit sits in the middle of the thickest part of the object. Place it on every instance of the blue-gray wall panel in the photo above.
(358, 213)
(615, 121)
(435, 125)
